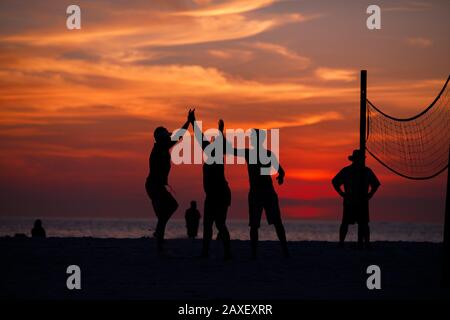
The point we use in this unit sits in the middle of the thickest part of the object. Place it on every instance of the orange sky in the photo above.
(78, 108)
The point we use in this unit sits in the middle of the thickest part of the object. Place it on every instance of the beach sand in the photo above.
(131, 269)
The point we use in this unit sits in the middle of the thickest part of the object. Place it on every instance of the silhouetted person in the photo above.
(38, 231)
(356, 197)
(164, 204)
(192, 217)
(218, 196)
(262, 195)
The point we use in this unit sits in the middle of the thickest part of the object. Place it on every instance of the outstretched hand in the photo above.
(280, 179)
(191, 116)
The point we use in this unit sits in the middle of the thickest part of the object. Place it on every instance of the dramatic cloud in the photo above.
(78, 108)
(230, 7)
(158, 28)
(302, 62)
(329, 74)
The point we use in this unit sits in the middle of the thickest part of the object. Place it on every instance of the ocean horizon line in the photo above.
(244, 219)
(296, 229)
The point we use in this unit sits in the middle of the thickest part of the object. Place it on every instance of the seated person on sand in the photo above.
(38, 231)
(192, 217)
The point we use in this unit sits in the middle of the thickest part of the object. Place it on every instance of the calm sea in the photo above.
(297, 230)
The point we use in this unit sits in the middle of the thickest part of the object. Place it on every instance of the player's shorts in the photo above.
(214, 212)
(219, 195)
(216, 205)
(267, 200)
(164, 204)
(355, 213)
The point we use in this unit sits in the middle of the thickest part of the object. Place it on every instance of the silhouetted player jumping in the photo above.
(156, 184)
(356, 197)
(218, 196)
(262, 194)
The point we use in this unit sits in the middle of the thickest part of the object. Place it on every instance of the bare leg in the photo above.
(367, 237)
(254, 241)
(361, 234)
(281, 233)
(207, 235)
(223, 230)
(225, 236)
(342, 233)
(163, 218)
(160, 230)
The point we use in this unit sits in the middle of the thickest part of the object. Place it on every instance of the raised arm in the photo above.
(198, 132)
(182, 130)
(228, 146)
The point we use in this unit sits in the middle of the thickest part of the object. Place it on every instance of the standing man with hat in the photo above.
(356, 197)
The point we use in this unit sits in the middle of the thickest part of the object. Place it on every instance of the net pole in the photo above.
(446, 262)
(362, 147)
(363, 119)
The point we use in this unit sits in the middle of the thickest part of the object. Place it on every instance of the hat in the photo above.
(161, 132)
(357, 154)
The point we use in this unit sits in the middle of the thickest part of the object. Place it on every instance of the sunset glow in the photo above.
(78, 108)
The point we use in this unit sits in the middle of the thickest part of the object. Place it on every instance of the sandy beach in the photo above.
(131, 269)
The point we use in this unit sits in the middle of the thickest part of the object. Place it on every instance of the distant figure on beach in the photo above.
(218, 195)
(164, 204)
(356, 197)
(38, 231)
(192, 217)
(262, 194)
